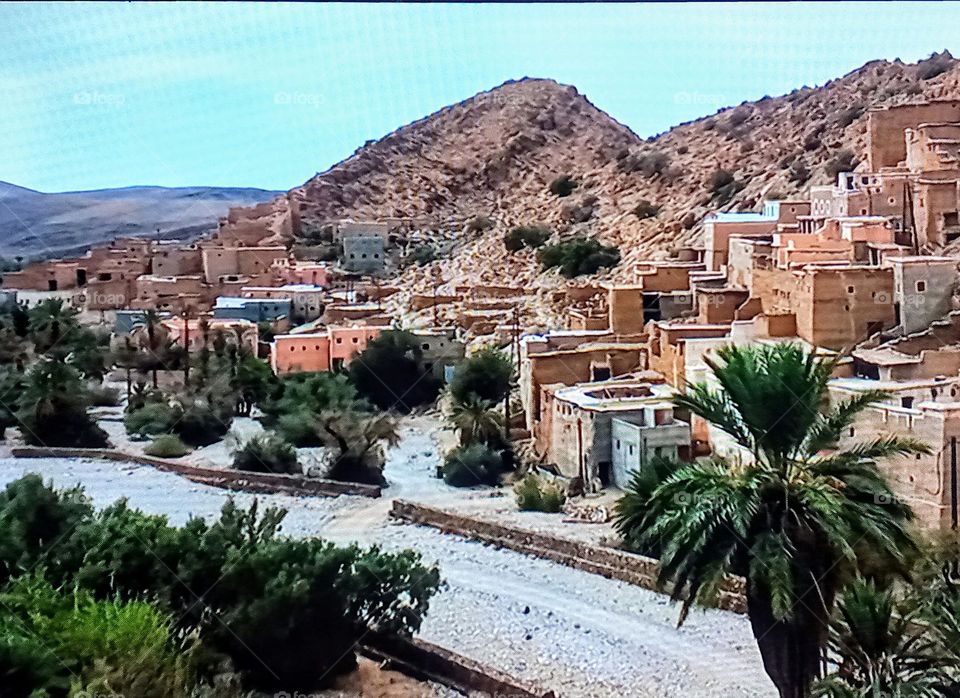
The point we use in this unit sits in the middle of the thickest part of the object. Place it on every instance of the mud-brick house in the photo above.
(577, 427)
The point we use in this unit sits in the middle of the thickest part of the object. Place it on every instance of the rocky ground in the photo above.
(577, 633)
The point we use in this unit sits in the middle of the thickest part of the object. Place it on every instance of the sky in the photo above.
(266, 95)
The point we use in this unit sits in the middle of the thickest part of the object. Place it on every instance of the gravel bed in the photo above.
(577, 633)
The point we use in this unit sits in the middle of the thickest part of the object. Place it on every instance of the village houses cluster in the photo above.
(864, 268)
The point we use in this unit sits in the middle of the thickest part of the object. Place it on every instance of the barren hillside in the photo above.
(495, 155)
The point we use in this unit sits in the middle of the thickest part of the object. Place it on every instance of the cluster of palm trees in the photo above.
(803, 517)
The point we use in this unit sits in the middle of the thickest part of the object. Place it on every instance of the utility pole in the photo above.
(186, 344)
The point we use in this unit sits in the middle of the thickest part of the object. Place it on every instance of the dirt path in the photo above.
(580, 634)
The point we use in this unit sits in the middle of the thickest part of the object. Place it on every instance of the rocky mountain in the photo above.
(493, 157)
(37, 225)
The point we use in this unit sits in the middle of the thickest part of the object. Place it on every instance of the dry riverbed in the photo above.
(574, 632)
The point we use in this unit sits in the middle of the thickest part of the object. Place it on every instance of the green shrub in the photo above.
(421, 256)
(579, 256)
(476, 464)
(645, 209)
(125, 648)
(167, 446)
(300, 429)
(264, 596)
(533, 494)
(563, 186)
(52, 408)
(486, 374)
(152, 418)
(525, 236)
(201, 423)
(104, 396)
(267, 453)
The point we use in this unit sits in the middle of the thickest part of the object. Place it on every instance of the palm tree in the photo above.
(357, 439)
(477, 421)
(50, 320)
(880, 650)
(152, 323)
(796, 515)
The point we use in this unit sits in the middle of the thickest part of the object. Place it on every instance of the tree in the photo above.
(53, 408)
(152, 325)
(390, 373)
(477, 421)
(251, 383)
(487, 375)
(357, 440)
(796, 519)
(879, 649)
(267, 453)
(50, 321)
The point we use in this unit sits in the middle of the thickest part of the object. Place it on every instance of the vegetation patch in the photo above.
(579, 256)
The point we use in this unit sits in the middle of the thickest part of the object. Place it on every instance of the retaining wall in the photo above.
(428, 662)
(589, 557)
(239, 480)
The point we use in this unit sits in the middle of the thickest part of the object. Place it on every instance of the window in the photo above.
(852, 431)
(921, 286)
(631, 449)
(851, 289)
(618, 444)
(355, 340)
(425, 346)
(339, 340)
(906, 402)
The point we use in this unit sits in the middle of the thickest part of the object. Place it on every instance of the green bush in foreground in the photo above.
(167, 446)
(533, 494)
(476, 464)
(285, 614)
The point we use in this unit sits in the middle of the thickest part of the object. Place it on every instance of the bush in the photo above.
(479, 224)
(525, 236)
(738, 116)
(843, 161)
(477, 464)
(390, 373)
(535, 495)
(579, 256)
(724, 185)
(201, 423)
(267, 453)
(486, 374)
(152, 418)
(52, 408)
(563, 186)
(167, 446)
(849, 115)
(264, 598)
(103, 646)
(645, 209)
(104, 396)
(799, 172)
(936, 64)
(299, 429)
(421, 256)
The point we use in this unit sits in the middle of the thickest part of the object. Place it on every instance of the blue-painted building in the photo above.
(252, 309)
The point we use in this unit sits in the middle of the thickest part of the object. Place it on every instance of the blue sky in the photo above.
(105, 95)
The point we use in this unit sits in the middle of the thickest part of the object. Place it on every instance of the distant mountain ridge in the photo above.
(36, 225)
